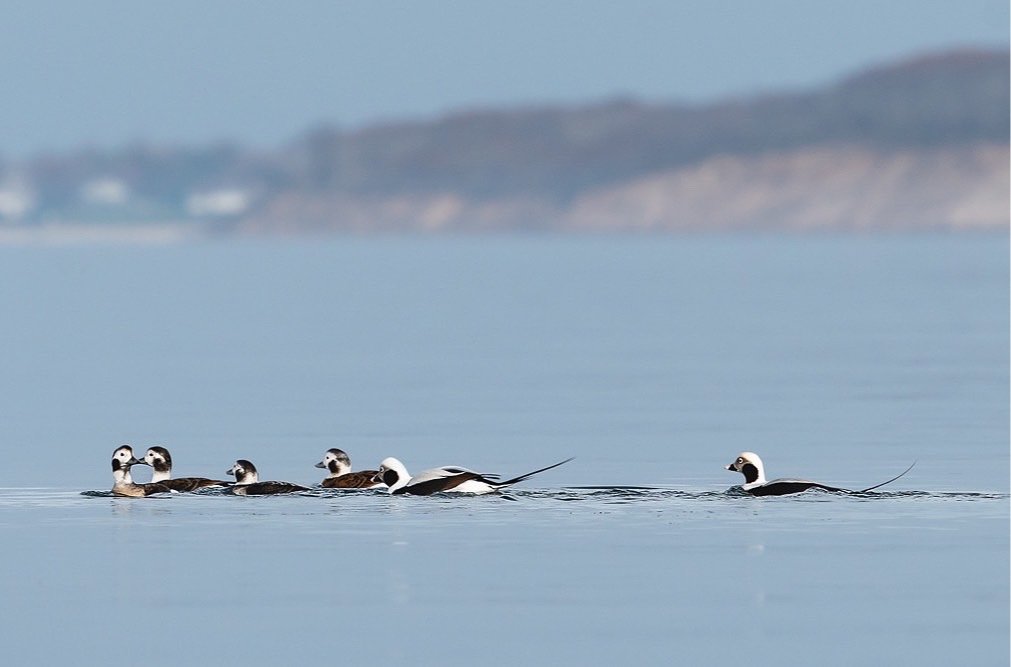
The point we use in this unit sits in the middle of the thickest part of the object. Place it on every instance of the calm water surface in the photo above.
(653, 361)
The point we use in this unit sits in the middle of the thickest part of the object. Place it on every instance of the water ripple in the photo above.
(607, 494)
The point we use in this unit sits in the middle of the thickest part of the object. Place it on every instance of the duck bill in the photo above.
(320, 465)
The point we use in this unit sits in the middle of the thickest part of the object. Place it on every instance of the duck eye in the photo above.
(740, 459)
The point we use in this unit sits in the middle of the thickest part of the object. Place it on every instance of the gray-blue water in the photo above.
(653, 361)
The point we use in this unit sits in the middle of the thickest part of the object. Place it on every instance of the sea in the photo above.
(653, 360)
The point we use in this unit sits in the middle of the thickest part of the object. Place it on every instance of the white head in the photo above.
(392, 473)
(160, 461)
(336, 462)
(750, 465)
(122, 460)
(244, 471)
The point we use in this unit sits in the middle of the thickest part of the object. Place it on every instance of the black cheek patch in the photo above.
(115, 465)
(750, 472)
(332, 466)
(390, 477)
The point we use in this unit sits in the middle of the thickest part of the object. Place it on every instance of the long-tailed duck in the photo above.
(123, 484)
(338, 463)
(247, 482)
(446, 479)
(750, 465)
(161, 462)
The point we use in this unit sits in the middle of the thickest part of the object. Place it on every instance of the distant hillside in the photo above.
(811, 188)
(917, 143)
(559, 152)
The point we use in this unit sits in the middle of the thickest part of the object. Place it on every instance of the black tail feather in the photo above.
(514, 480)
(878, 486)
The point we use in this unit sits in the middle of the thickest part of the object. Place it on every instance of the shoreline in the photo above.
(164, 234)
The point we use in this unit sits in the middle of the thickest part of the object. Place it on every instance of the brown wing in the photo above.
(266, 488)
(185, 484)
(361, 479)
(155, 487)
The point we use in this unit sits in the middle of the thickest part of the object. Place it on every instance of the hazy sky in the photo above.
(107, 72)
